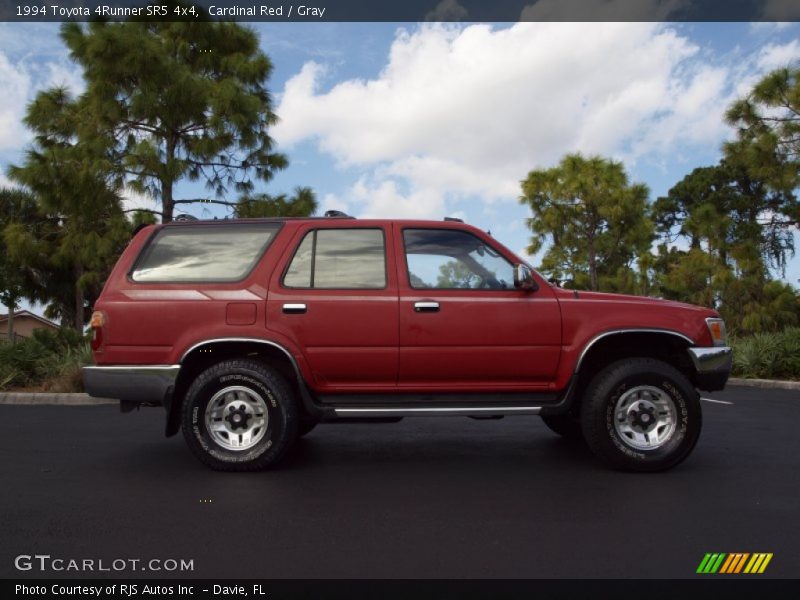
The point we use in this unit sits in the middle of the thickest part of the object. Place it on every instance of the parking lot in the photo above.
(423, 498)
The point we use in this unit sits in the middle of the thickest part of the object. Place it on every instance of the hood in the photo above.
(586, 296)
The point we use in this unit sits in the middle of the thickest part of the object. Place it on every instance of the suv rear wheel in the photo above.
(641, 414)
(239, 415)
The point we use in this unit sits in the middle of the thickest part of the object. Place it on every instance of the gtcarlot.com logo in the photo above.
(45, 562)
(734, 563)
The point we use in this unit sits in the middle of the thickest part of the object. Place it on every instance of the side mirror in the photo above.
(523, 278)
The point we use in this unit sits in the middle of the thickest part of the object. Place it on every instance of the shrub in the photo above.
(768, 355)
(48, 359)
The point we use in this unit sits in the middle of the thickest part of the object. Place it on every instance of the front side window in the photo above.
(339, 259)
(450, 259)
(209, 253)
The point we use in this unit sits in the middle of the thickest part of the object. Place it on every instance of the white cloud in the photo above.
(16, 84)
(769, 27)
(20, 80)
(464, 111)
(332, 202)
(132, 200)
(64, 74)
(385, 199)
(460, 111)
(775, 56)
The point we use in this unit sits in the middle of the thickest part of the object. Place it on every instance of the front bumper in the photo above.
(140, 384)
(712, 367)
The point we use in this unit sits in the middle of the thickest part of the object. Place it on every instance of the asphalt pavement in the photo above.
(423, 498)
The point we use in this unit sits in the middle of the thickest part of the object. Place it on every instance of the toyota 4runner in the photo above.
(250, 332)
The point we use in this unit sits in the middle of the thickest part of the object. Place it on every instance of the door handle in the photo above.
(294, 309)
(426, 307)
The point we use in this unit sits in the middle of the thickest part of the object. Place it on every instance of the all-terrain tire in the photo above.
(631, 395)
(231, 399)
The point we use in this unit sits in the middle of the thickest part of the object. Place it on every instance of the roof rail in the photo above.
(338, 214)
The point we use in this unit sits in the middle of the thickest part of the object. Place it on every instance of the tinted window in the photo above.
(339, 258)
(204, 253)
(448, 259)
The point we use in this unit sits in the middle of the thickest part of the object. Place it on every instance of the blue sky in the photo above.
(429, 120)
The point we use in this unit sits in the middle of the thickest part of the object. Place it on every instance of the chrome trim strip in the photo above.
(599, 337)
(129, 368)
(444, 411)
(130, 383)
(711, 360)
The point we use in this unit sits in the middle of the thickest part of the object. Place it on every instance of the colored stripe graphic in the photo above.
(711, 562)
(758, 563)
(703, 563)
(733, 563)
(732, 558)
(741, 562)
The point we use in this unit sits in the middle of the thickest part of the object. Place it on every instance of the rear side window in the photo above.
(211, 253)
(339, 259)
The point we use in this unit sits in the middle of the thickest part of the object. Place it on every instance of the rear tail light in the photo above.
(97, 323)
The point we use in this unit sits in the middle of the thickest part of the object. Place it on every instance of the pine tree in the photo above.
(595, 220)
(167, 101)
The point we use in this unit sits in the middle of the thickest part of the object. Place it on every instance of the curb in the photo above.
(52, 399)
(765, 383)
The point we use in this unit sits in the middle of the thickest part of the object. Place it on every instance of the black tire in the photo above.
(246, 379)
(567, 426)
(630, 381)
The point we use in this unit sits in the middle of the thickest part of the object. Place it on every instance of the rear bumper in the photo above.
(712, 367)
(150, 384)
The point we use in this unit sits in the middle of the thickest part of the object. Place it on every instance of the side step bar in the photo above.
(435, 411)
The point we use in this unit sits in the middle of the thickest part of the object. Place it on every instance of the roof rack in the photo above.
(337, 214)
(456, 219)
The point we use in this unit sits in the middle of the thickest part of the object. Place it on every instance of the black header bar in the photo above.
(402, 10)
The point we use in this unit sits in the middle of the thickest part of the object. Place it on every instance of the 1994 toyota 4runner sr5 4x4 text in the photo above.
(251, 332)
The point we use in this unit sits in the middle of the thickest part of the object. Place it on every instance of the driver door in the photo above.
(463, 324)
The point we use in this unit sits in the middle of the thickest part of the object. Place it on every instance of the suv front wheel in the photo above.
(641, 414)
(239, 415)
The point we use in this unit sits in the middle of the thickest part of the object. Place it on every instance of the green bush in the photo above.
(768, 355)
(48, 359)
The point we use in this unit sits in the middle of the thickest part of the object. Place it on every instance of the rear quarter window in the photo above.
(209, 253)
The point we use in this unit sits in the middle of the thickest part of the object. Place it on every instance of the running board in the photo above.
(436, 411)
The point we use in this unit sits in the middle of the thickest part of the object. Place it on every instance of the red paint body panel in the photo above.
(373, 340)
(587, 315)
(501, 339)
(349, 337)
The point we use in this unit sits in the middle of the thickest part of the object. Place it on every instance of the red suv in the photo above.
(251, 332)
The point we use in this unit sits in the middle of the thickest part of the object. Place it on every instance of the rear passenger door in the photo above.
(335, 295)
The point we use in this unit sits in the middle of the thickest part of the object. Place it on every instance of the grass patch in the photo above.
(768, 355)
